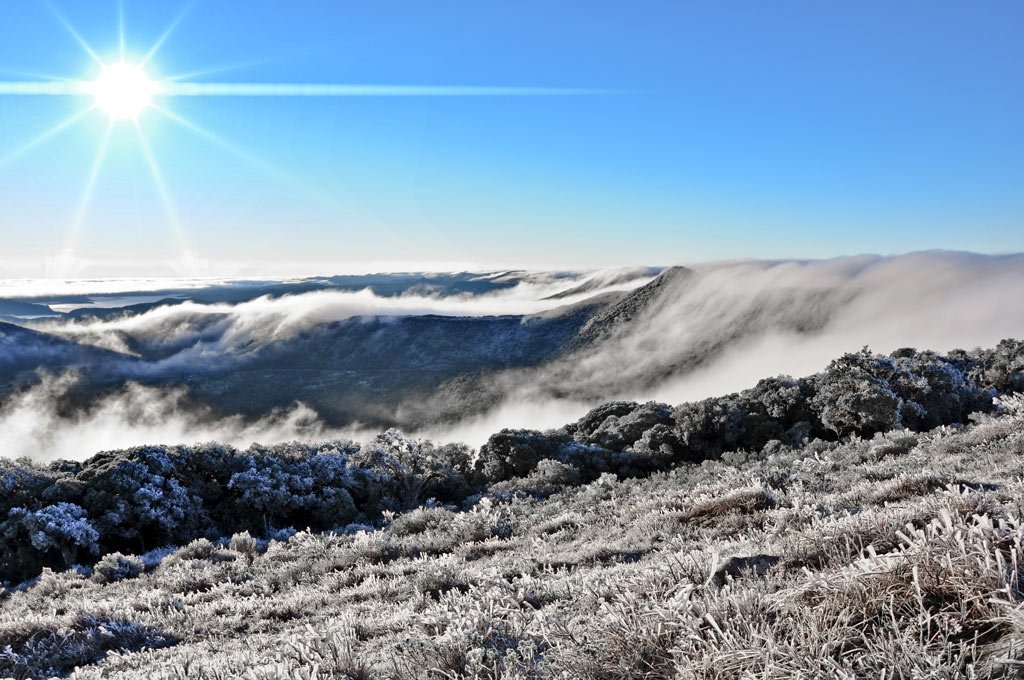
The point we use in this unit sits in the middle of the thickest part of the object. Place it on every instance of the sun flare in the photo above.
(123, 91)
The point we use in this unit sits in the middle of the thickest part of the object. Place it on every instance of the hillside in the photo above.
(433, 352)
(374, 369)
(23, 352)
(365, 369)
(862, 522)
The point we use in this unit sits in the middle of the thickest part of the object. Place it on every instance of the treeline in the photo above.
(144, 498)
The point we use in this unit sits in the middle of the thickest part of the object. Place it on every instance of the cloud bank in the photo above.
(714, 329)
(723, 326)
(34, 424)
(204, 332)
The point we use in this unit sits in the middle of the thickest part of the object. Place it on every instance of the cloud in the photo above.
(195, 332)
(35, 425)
(717, 329)
(793, 316)
(726, 325)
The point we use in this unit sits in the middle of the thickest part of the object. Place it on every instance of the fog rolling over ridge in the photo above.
(792, 316)
(461, 365)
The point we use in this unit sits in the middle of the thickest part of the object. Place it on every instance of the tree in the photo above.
(853, 395)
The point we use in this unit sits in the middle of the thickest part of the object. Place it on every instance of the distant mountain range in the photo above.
(421, 350)
(380, 371)
(364, 369)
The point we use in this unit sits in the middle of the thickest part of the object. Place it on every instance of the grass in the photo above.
(894, 557)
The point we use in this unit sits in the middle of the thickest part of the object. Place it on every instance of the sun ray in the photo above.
(33, 75)
(74, 34)
(60, 88)
(161, 186)
(120, 28)
(224, 68)
(311, 193)
(55, 130)
(168, 31)
(101, 154)
(123, 91)
(190, 89)
(258, 163)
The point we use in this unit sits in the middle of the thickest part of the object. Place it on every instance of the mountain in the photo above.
(366, 369)
(426, 351)
(619, 317)
(603, 280)
(23, 352)
(22, 309)
(372, 369)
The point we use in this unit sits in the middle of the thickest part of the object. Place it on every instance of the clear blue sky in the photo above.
(738, 129)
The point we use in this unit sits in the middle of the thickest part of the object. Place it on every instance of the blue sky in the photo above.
(740, 129)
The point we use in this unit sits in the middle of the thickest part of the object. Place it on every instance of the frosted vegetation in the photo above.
(861, 522)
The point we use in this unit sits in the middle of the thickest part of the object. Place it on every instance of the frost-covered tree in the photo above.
(618, 427)
(275, 491)
(853, 395)
(515, 453)
(394, 472)
(139, 497)
(54, 535)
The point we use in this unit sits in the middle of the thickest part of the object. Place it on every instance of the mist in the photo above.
(721, 327)
(34, 425)
(710, 329)
(198, 332)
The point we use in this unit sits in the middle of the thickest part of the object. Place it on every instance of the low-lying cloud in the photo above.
(721, 327)
(203, 332)
(713, 329)
(34, 425)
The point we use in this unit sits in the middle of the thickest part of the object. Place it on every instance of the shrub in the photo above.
(515, 453)
(549, 477)
(55, 535)
(138, 498)
(853, 395)
(622, 424)
(245, 545)
(117, 567)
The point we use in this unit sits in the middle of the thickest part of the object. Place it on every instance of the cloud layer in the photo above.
(724, 326)
(718, 328)
(204, 332)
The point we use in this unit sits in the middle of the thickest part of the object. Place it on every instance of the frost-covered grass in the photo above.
(897, 556)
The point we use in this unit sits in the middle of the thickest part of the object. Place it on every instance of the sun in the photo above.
(123, 91)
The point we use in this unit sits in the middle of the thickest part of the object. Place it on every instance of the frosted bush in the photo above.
(117, 567)
(58, 535)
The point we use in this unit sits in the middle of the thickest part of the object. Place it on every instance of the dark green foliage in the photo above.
(548, 478)
(514, 453)
(855, 395)
(139, 498)
(623, 424)
(1001, 369)
(53, 535)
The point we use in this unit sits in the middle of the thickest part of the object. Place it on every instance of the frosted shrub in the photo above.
(117, 567)
(854, 397)
(244, 544)
(277, 491)
(138, 497)
(55, 535)
(549, 477)
(514, 453)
